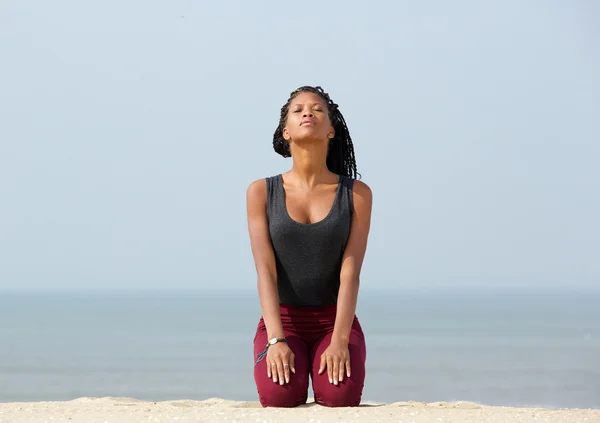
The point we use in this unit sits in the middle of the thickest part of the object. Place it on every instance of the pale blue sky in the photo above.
(130, 131)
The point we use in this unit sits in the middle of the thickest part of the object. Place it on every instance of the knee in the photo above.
(346, 394)
(289, 395)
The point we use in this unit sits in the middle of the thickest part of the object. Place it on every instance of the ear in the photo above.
(331, 132)
(286, 133)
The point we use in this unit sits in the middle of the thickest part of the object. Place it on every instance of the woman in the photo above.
(308, 230)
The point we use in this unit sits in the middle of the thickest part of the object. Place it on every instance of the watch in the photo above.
(273, 341)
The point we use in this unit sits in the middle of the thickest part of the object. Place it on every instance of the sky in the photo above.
(130, 131)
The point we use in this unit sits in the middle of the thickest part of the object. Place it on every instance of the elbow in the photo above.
(266, 278)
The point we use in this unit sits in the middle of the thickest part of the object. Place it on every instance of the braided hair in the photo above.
(340, 157)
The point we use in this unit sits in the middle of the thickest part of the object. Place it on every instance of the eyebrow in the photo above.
(314, 104)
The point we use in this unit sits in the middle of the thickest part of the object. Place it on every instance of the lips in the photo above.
(307, 122)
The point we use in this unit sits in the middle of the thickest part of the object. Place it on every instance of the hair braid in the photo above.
(340, 158)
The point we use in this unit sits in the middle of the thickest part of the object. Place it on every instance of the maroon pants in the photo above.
(308, 331)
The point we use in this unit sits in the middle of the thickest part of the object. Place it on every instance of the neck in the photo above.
(310, 164)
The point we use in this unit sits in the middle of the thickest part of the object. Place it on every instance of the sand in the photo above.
(128, 410)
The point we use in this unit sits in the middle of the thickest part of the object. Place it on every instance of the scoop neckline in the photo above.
(335, 201)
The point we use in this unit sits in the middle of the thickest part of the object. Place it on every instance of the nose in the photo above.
(308, 114)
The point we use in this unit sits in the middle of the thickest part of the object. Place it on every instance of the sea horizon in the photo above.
(511, 347)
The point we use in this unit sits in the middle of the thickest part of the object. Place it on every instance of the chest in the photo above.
(304, 240)
(310, 222)
(310, 207)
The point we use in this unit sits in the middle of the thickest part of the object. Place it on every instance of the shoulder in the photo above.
(257, 189)
(361, 190)
(256, 198)
(362, 199)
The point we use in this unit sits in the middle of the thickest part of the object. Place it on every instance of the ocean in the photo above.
(504, 347)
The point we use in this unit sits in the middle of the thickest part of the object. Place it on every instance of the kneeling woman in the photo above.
(308, 231)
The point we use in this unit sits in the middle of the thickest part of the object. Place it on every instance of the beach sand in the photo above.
(128, 410)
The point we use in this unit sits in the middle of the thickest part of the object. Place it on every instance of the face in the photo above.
(308, 119)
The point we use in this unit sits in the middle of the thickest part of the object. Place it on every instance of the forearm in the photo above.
(346, 309)
(269, 303)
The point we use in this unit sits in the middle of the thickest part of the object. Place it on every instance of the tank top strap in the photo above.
(346, 193)
(274, 195)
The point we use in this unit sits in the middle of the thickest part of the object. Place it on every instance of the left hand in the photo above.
(336, 358)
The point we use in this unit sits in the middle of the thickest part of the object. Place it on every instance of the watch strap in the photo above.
(273, 341)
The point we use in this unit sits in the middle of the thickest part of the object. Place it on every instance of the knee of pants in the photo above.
(346, 394)
(282, 396)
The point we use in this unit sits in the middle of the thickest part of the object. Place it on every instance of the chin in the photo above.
(310, 134)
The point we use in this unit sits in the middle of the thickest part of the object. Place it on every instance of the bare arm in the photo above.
(264, 258)
(352, 262)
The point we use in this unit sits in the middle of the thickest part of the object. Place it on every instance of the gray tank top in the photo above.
(309, 256)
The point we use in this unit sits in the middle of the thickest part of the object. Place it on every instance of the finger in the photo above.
(336, 370)
(268, 363)
(348, 371)
(341, 370)
(330, 369)
(286, 371)
(280, 373)
(293, 363)
(274, 371)
(323, 364)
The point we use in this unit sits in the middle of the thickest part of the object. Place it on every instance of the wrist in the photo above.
(276, 332)
(340, 338)
(275, 335)
(276, 340)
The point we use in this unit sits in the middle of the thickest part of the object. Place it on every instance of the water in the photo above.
(511, 348)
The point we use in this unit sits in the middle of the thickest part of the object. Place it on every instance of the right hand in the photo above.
(280, 360)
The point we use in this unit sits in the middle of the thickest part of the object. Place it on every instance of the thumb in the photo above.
(323, 363)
